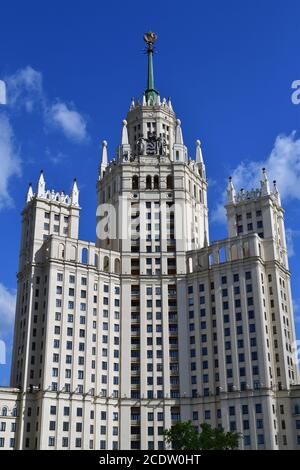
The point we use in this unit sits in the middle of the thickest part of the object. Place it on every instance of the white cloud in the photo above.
(2, 92)
(9, 160)
(283, 165)
(55, 158)
(65, 117)
(7, 311)
(25, 89)
(218, 214)
(291, 234)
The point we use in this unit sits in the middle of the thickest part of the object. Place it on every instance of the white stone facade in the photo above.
(117, 340)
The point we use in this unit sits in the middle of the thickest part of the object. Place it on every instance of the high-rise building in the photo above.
(117, 340)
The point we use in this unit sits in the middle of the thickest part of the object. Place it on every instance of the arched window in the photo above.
(84, 256)
(200, 195)
(14, 411)
(169, 182)
(135, 182)
(117, 266)
(156, 182)
(222, 255)
(96, 260)
(106, 264)
(148, 182)
(4, 411)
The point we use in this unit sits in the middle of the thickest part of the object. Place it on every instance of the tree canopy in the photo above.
(184, 436)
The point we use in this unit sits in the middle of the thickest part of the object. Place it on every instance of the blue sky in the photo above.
(72, 68)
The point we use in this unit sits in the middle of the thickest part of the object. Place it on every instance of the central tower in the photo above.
(151, 164)
(152, 208)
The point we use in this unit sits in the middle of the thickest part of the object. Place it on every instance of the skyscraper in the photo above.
(117, 340)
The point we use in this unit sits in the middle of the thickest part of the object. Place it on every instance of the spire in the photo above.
(264, 183)
(132, 104)
(29, 193)
(276, 192)
(179, 149)
(124, 148)
(124, 140)
(178, 133)
(199, 158)
(230, 191)
(104, 159)
(41, 186)
(75, 193)
(150, 39)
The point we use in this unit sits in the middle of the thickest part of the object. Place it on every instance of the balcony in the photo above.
(135, 419)
(135, 272)
(135, 332)
(171, 271)
(135, 305)
(175, 417)
(135, 292)
(173, 317)
(172, 292)
(135, 359)
(135, 387)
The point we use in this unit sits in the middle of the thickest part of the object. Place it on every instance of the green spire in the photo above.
(150, 92)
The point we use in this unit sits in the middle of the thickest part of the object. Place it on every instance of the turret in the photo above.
(104, 159)
(41, 186)
(75, 193)
(29, 193)
(132, 104)
(276, 192)
(125, 149)
(179, 149)
(230, 191)
(199, 158)
(264, 183)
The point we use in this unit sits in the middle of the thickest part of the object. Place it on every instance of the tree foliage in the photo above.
(184, 436)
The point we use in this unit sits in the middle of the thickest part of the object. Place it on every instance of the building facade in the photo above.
(117, 340)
